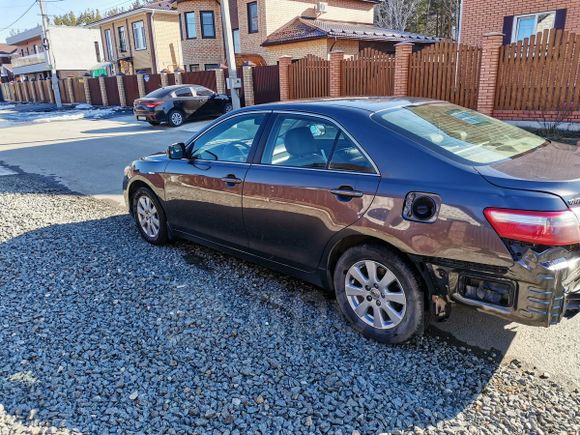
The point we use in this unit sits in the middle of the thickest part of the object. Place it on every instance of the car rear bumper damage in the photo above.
(540, 289)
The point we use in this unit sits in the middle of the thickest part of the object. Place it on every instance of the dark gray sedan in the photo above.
(399, 206)
(179, 103)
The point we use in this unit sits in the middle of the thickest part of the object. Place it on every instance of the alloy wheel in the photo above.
(176, 118)
(375, 294)
(148, 217)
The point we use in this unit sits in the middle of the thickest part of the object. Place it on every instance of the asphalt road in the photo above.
(88, 156)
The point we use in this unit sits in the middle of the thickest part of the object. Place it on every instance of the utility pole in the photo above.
(50, 57)
(233, 82)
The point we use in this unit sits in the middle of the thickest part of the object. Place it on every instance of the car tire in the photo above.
(175, 118)
(149, 216)
(228, 108)
(397, 296)
(154, 122)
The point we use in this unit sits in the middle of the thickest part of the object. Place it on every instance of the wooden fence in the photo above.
(446, 71)
(203, 78)
(78, 87)
(540, 73)
(371, 72)
(131, 89)
(152, 82)
(308, 78)
(95, 90)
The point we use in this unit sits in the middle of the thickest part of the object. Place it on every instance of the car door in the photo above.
(188, 101)
(203, 192)
(211, 105)
(310, 181)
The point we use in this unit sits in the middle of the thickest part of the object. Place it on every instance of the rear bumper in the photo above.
(539, 289)
(155, 116)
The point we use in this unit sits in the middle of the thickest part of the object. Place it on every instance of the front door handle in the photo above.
(231, 180)
(347, 192)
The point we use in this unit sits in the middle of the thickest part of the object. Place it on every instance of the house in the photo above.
(272, 28)
(6, 52)
(145, 39)
(74, 49)
(516, 20)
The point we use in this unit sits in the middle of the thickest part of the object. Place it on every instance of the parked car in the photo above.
(178, 103)
(400, 206)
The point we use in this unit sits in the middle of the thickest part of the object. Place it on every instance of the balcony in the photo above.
(32, 59)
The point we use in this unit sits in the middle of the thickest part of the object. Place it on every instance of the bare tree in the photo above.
(394, 14)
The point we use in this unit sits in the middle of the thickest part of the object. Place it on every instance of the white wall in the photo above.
(73, 48)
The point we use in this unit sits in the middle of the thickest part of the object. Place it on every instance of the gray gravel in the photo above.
(103, 333)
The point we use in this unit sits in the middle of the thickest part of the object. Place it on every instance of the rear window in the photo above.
(460, 133)
(158, 93)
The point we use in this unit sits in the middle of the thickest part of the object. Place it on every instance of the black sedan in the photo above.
(178, 103)
(399, 206)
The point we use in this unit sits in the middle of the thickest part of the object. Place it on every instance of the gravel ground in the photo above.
(103, 333)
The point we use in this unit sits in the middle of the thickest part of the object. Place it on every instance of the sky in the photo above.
(10, 10)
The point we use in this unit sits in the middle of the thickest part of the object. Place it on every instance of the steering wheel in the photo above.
(242, 153)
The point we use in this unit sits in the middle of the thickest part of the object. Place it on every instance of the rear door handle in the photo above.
(231, 180)
(347, 192)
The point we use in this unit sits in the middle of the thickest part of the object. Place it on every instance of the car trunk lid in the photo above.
(552, 168)
(147, 103)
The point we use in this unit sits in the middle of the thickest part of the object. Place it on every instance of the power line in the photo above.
(20, 17)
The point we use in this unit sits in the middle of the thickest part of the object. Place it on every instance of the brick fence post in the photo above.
(141, 85)
(248, 83)
(490, 50)
(164, 80)
(335, 73)
(69, 89)
(178, 78)
(121, 88)
(104, 95)
(220, 81)
(88, 98)
(403, 51)
(284, 70)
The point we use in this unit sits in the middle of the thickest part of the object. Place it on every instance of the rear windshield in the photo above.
(158, 93)
(460, 133)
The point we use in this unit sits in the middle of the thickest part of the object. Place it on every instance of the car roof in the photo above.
(369, 104)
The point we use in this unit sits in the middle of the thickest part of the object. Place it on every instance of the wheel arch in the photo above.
(134, 186)
(350, 241)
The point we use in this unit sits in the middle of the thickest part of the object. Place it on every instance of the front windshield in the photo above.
(463, 133)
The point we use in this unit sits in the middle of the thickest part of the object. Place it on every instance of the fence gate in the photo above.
(95, 90)
(308, 78)
(446, 71)
(131, 89)
(153, 83)
(266, 84)
(203, 78)
(371, 72)
(540, 73)
(112, 91)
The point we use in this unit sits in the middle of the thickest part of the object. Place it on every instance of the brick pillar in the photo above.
(284, 65)
(178, 78)
(121, 88)
(220, 81)
(403, 51)
(164, 80)
(141, 85)
(248, 83)
(335, 73)
(87, 91)
(104, 95)
(69, 89)
(491, 46)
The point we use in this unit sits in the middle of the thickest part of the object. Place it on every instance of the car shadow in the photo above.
(116, 335)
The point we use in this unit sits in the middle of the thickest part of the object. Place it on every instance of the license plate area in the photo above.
(142, 118)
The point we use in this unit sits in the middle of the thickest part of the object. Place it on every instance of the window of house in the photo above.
(528, 25)
(194, 67)
(122, 38)
(252, 17)
(139, 35)
(210, 66)
(190, 28)
(207, 24)
(237, 44)
(109, 44)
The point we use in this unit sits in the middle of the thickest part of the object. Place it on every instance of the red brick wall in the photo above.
(483, 16)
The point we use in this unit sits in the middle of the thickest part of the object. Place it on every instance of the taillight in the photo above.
(551, 228)
(152, 104)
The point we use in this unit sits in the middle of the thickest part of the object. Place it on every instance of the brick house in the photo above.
(272, 28)
(144, 39)
(517, 19)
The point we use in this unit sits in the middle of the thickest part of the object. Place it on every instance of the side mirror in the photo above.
(176, 151)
